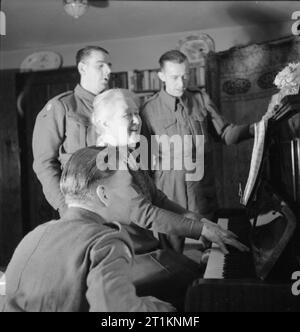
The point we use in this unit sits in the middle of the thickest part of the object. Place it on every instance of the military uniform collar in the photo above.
(85, 95)
(82, 115)
(170, 101)
(76, 213)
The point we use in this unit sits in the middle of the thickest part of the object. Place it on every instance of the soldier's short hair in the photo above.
(85, 52)
(81, 175)
(172, 56)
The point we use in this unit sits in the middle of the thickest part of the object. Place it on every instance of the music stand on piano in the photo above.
(270, 225)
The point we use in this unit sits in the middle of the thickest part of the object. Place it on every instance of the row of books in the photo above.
(197, 76)
(119, 80)
(145, 80)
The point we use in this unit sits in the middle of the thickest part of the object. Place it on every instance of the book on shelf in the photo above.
(197, 76)
(145, 80)
(141, 81)
(119, 80)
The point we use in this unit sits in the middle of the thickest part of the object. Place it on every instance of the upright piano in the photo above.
(259, 280)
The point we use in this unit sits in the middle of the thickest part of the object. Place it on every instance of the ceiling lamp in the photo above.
(75, 8)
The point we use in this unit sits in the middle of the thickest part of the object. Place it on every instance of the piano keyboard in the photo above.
(235, 265)
(216, 261)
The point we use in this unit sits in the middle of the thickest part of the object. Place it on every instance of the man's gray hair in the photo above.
(81, 173)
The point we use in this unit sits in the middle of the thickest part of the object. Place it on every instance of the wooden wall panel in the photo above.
(10, 189)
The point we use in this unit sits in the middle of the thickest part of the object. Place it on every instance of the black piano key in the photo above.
(239, 265)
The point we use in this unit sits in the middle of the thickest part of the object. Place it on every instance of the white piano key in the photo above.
(216, 261)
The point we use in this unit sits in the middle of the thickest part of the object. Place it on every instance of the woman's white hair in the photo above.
(104, 104)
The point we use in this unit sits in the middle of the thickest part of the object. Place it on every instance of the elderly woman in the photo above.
(118, 124)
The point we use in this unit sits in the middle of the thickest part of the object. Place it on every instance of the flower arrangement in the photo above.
(289, 79)
(288, 82)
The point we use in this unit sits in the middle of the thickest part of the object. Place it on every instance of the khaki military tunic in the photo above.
(78, 264)
(62, 127)
(193, 114)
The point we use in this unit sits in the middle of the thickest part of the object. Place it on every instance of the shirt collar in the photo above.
(87, 96)
(75, 213)
(170, 101)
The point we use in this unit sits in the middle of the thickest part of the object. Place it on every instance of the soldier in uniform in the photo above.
(63, 126)
(177, 110)
(93, 271)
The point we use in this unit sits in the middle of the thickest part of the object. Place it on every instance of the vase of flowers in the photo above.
(288, 83)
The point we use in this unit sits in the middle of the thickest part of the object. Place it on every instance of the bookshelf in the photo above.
(119, 80)
(197, 76)
(145, 83)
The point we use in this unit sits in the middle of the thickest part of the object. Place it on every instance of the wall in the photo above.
(143, 52)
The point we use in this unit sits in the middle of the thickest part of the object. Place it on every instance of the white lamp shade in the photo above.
(75, 8)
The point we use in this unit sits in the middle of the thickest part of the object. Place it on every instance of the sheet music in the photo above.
(265, 218)
(256, 159)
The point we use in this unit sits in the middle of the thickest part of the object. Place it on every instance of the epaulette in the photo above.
(62, 95)
(59, 98)
(151, 98)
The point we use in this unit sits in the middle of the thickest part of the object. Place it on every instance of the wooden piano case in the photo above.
(240, 296)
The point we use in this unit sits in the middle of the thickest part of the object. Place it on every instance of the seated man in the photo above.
(83, 261)
(118, 125)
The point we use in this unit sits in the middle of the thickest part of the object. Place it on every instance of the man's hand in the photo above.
(216, 234)
(273, 105)
(204, 244)
(212, 232)
(192, 215)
